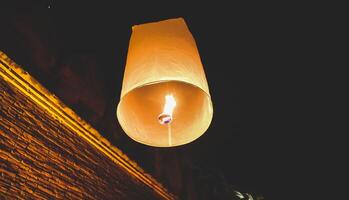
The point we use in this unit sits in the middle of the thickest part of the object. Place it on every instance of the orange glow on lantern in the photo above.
(163, 63)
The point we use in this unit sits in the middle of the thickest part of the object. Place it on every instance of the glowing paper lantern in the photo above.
(165, 99)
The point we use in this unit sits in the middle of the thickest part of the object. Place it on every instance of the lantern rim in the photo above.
(158, 82)
(163, 81)
(166, 146)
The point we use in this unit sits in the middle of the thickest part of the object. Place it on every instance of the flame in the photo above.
(170, 104)
(166, 116)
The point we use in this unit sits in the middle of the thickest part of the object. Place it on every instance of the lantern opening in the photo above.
(166, 116)
(138, 113)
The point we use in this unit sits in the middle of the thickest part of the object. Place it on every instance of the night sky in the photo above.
(78, 51)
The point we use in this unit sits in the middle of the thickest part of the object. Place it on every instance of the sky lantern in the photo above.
(165, 100)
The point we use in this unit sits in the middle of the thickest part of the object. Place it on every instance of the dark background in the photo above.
(253, 58)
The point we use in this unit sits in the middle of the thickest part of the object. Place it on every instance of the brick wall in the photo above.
(46, 151)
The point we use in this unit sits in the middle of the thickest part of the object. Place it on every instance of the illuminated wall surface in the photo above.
(47, 151)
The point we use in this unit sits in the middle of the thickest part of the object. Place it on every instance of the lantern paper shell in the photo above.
(163, 60)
